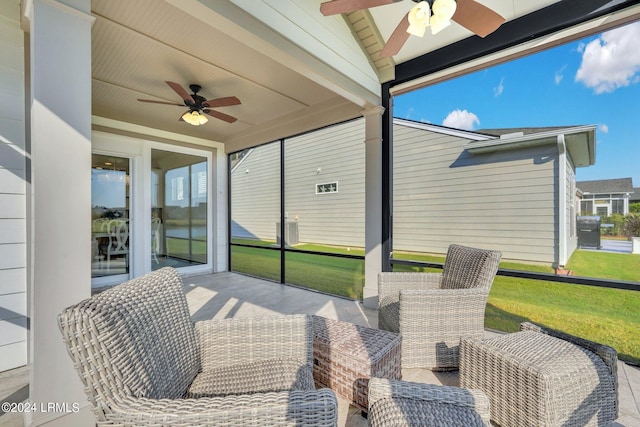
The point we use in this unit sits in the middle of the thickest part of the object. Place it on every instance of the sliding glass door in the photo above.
(151, 208)
(179, 201)
(110, 213)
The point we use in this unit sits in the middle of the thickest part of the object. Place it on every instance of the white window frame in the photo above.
(327, 183)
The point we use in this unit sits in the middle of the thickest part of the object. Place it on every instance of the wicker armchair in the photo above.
(432, 311)
(143, 362)
(401, 403)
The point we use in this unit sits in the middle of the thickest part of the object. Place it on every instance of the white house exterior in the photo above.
(13, 188)
(446, 182)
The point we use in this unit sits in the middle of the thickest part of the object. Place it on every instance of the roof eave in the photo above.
(580, 143)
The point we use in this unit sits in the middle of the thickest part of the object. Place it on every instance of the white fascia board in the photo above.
(445, 131)
(530, 140)
(144, 130)
(252, 31)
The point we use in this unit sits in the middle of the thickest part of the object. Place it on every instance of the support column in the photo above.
(373, 205)
(562, 202)
(60, 215)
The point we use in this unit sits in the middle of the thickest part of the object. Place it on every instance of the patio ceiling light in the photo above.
(443, 11)
(194, 118)
(420, 17)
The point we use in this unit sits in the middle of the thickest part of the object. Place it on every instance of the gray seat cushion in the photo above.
(256, 377)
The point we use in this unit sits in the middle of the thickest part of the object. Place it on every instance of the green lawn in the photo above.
(337, 276)
(608, 316)
(605, 265)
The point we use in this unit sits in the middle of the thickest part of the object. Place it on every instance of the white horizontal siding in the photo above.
(13, 320)
(12, 206)
(12, 255)
(13, 355)
(13, 330)
(13, 231)
(13, 280)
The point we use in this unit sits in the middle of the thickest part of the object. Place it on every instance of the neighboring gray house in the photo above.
(447, 188)
(324, 193)
(635, 196)
(606, 196)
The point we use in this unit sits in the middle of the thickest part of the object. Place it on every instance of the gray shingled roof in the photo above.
(620, 185)
(635, 197)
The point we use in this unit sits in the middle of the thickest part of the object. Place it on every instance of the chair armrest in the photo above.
(317, 407)
(238, 341)
(476, 400)
(392, 283)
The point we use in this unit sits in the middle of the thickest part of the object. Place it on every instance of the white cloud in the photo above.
(603, 128)
(612, 60)
(559, 75)
(461, 119)
(497, 91)
(409, 113)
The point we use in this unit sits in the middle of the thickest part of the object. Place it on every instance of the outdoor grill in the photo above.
(589, 232)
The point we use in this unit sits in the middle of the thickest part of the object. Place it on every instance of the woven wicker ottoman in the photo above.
(346, 356)
(541, 377)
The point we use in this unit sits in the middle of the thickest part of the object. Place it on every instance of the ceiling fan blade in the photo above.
(477, 17)
(345, 6)
(182, 92)
(398, 38)
(160, 102)
(221, 102)
(218, 115)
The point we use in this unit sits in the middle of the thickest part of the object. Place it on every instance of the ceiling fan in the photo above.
(198, 105)
(470, 14)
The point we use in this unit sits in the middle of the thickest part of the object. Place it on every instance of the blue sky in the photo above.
(593, 81)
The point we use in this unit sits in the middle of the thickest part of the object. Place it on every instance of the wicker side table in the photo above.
(346, 356)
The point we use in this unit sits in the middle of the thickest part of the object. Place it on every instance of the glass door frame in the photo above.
(208, 155)
(97, 282)
(138, 151)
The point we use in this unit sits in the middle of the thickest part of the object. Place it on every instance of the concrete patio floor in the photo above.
(226, 295)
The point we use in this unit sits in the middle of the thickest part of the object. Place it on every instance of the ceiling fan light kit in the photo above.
(198, 105)
(470, 14)
(419, 19)
(194, 118)
(443, 11)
